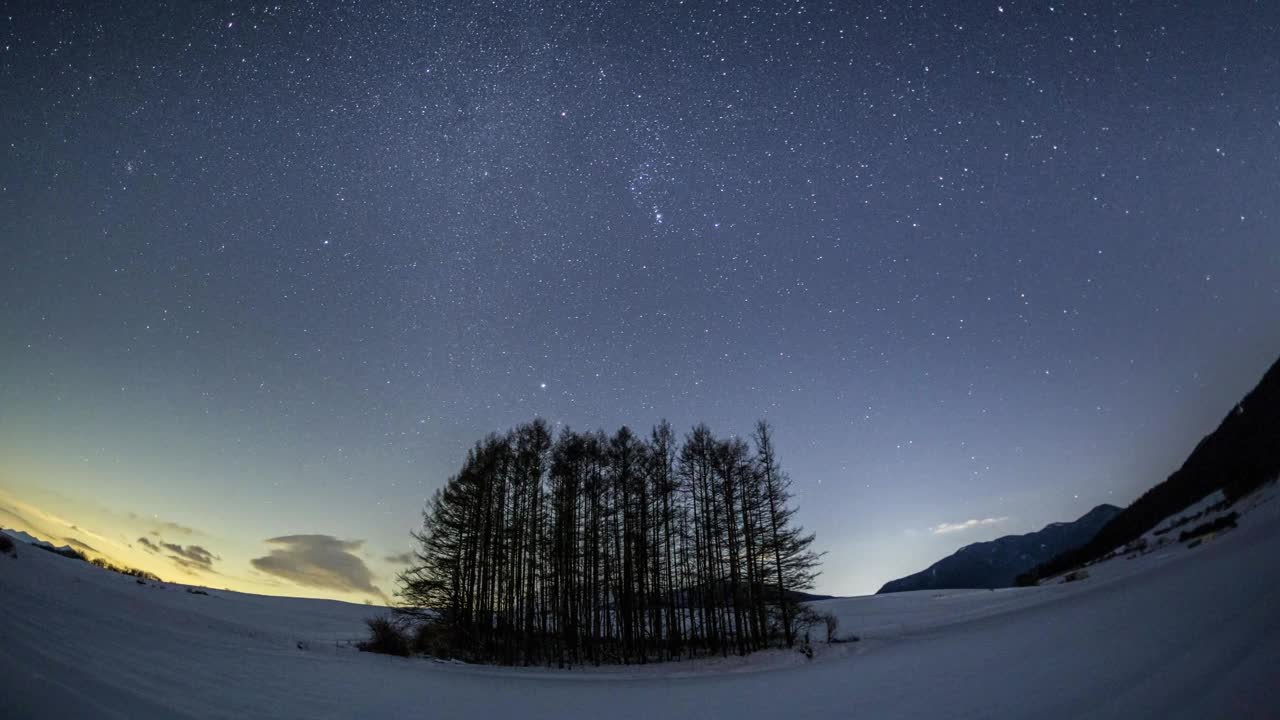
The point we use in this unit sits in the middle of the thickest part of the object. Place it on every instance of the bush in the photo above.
(134, 572)
(432, 638)
(131, 572)
(6, 543)
(832, 623)
(1075, 575)
(385, 638)
(805, 617)
(1221, 523)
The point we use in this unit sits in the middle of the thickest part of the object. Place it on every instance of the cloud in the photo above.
(401, 559)
(966, 525)
(192, 557)
(49, 526)
(179, 529)
(80, 544)
(164, 527)
(76, 530)
(13, 513)
(318, 561)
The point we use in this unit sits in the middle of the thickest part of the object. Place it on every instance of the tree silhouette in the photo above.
(609, 549)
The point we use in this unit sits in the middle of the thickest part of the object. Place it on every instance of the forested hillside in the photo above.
(1237, 457)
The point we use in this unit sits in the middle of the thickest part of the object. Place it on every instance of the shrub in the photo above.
(432, 638)
(131, 572)
(1220, 523)
(805, 617)
(1075, 575)
(134, 572)
(6, 543)
(832, 623)
(385, 638)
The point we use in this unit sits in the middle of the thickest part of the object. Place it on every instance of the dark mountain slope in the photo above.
(1238, 457)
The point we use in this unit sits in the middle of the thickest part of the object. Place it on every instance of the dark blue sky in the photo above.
(269, 270)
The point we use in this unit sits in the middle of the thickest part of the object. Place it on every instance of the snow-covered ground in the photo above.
(1173, 633)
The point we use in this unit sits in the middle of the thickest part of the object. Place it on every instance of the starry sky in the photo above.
(266, 271)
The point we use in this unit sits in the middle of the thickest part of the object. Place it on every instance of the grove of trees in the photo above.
(594, 548)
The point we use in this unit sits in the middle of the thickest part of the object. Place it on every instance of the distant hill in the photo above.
(28, 539)
(999, 562)
(798, 596)
(1237, 458)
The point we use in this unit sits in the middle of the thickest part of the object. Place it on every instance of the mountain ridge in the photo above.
(29, 539)
(997, 563)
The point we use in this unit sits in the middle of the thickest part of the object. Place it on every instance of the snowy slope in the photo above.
(1177, 633)
(1200, 511)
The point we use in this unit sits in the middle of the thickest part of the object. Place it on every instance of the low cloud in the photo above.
(401, 559)
(80, 544)
(15, 513)
(945, 528)
(178, 529)
(192, 557)
(318, 561)
(164, 527)
(48, 527)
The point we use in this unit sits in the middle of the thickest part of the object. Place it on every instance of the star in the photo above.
(758, 213)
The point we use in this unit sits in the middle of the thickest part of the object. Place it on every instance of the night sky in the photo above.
(266, 272)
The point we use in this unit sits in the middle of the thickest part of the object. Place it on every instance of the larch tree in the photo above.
(587, 548)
